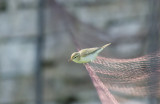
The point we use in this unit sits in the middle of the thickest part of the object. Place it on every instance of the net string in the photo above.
(103, 93)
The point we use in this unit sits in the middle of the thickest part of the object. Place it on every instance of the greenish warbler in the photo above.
(87, 55)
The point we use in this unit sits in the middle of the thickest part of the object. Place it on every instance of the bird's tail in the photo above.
(106, 45)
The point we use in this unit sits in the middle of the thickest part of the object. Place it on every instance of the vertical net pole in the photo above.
(153, 38)
(40, 42)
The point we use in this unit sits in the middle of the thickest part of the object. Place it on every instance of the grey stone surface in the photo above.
(19, 90)
(102, 15)
(17, 57)
(20, 23)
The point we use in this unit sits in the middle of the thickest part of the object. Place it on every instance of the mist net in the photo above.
(122, 77)
(116, 80)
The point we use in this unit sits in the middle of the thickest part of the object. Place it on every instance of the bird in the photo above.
(87, 55)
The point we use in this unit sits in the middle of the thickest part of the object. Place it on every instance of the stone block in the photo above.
(17, 90)
(21, 23)
(17, 57)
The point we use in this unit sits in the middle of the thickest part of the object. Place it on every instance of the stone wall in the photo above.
(64, 82)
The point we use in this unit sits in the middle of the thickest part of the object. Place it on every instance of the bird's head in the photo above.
(75, 57)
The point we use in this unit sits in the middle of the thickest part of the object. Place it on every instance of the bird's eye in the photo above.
(75, 57)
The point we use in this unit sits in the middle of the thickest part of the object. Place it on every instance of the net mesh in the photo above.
(114, 79)
(122, 77)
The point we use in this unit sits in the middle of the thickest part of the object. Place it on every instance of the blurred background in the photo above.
(36, 41)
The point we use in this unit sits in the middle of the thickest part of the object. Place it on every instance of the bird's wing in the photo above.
(85, 52)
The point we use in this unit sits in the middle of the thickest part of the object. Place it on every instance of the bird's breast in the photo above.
(88, 58)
